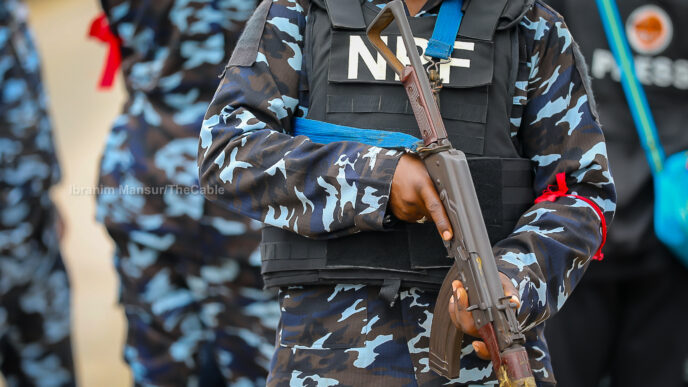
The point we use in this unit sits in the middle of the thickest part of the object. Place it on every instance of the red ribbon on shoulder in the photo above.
(561, 189)
(100, 29)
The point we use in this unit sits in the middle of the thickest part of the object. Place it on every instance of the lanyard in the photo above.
(635, 95)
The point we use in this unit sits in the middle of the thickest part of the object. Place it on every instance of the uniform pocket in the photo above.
(323, 317)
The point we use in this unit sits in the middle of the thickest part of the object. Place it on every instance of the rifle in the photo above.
(474, 263)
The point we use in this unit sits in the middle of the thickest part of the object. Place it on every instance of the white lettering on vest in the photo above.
(358, 49)
(377, 67)
(445, 68)
(402, 54)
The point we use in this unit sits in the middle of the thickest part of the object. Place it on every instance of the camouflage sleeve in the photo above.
(249, 161)
(28, 159)
(554, 241)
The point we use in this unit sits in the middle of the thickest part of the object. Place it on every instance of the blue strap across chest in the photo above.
(441, 43)
(325, 133)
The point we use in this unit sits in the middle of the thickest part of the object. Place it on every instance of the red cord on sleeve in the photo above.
(100, 29)
(561, 189)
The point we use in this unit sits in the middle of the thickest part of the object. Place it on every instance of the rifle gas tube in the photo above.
(470, 248)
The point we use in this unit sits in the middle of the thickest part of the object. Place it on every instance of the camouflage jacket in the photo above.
(172, 53)
(328, 191)
(28, 162)
(29, 245)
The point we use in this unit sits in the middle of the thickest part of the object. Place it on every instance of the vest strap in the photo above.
(346, 14)
(390, 290)
(324, 133)
(481, 19)
(246, 49)
(441, 43)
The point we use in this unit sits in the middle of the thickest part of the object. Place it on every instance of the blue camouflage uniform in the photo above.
(35, 341)
(189, 270)
(345, 334)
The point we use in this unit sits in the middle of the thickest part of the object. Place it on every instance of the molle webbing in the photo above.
(411, 252)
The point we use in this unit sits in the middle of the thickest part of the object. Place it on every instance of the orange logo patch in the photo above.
(649, 30)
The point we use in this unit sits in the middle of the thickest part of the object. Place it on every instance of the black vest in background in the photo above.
(350, 84)
(662, 67)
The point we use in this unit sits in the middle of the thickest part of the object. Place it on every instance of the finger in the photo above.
(510, 290)
(435, 210)
(463, 301)
(454, 312)
(480, 349)
(513, 297)
(465, 318)
(515, 301)
(454, 304)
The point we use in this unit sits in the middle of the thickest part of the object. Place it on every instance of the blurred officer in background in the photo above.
(189, 270)
(626, 320)
(35, 343)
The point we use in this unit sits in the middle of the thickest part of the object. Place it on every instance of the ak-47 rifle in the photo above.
(470, 247)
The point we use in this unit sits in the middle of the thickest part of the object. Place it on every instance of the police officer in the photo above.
(190, 281)
(341, 238)
(35, 339)
(631, 306)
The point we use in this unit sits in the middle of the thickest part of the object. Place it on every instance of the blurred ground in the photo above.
(82, 117)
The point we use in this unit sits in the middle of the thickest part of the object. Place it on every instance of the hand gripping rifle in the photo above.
(470, 248)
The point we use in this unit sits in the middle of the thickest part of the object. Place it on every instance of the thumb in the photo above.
(480, 349)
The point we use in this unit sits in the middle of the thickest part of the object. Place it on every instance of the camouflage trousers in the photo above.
(35, 341)
(191, 314)
(346, 335)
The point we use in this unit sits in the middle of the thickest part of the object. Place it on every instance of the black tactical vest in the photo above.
(350, 84)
